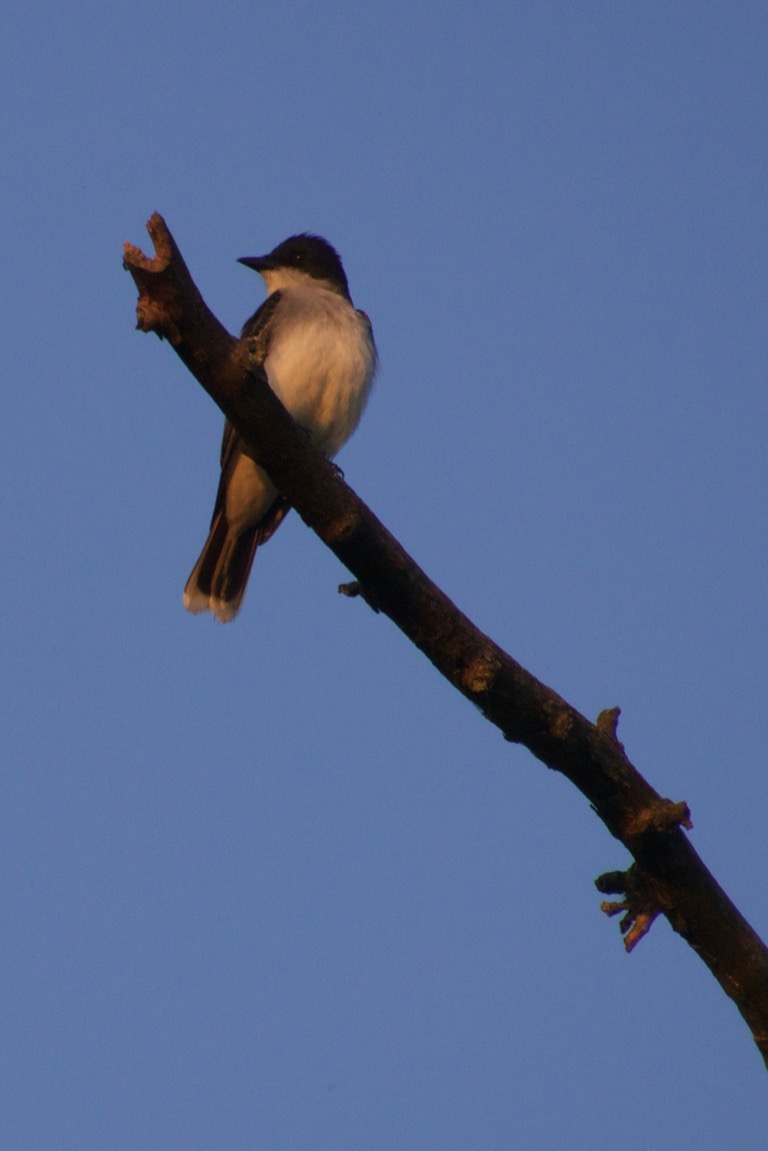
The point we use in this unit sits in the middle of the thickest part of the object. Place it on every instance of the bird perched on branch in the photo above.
(319, 356)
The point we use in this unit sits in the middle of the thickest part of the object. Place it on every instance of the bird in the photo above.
(320, 359)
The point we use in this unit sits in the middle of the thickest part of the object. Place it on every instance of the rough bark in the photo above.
(668, 877)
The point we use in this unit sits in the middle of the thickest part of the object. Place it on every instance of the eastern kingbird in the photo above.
(320, 359)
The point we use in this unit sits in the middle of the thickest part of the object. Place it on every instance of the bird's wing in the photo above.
(257, 331)
(259, 328)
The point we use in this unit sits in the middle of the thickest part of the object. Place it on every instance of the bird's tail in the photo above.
(220, 576)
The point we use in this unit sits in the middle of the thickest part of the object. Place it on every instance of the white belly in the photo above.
(321, 365)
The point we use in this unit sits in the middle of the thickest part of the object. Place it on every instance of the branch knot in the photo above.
(640, 905)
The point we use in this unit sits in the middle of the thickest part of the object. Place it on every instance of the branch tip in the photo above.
(608, 722)
(162, 241)
(640, 904)
(640, 927)
(354, 589)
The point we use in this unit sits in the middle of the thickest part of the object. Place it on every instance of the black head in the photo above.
(305, 253)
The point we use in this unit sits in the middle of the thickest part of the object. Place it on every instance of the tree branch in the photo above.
(668, 876)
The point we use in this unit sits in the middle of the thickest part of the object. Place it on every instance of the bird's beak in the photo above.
(258, 263)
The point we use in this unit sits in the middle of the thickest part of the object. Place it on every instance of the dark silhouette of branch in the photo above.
(667, 877)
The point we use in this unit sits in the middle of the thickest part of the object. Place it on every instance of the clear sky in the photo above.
(273, 884)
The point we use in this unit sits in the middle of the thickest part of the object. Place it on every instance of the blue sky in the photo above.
(273, 884)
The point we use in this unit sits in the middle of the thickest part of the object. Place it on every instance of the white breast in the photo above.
(321, 364)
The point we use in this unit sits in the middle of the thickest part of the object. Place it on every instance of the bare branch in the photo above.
(668, 876)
